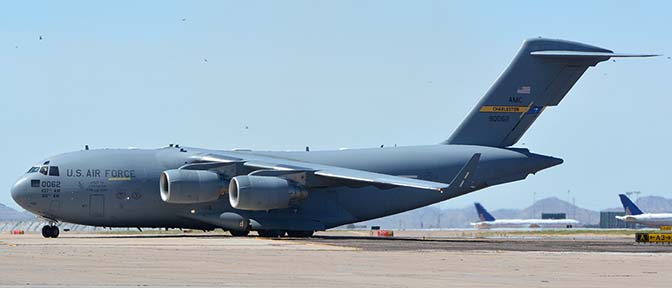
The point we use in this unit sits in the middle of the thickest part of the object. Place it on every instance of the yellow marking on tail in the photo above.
(504, 109)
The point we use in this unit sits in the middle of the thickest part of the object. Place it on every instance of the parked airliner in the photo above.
(488, 221)
(635, 215)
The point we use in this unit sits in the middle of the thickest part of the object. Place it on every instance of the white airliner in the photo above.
(488, 221)
(634, 215)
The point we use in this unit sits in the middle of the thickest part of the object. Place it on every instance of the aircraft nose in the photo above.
(20, 191)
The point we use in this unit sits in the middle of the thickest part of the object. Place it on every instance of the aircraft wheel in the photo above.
(50, 231)
(271, 233)
(55, 232)
(46, 231)
(239, 233)
(300, 234)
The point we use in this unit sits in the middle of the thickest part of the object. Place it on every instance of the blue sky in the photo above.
(331, 75)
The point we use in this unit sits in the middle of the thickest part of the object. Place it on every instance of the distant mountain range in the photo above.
(7, 213)
(434, 217)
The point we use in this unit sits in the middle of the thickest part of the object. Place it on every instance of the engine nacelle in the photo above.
(261, 193)
(191, 186)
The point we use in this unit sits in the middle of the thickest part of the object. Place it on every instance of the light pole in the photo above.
(568, 203)
(534, 206)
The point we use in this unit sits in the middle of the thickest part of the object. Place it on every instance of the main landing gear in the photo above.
(281, 233)
(300, 234)
(239, 233)
(50, 231)
(271, 233)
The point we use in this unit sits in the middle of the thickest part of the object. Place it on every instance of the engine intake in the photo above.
(259, 193)
(191, 186)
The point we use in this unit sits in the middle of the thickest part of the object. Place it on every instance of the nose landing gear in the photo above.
(50, 231)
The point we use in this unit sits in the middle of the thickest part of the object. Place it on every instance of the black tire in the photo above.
(300, 234)
(55, 232)
(271, 233)
(239, 233)
(46, 231)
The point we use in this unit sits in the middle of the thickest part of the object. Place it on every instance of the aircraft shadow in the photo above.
(314, 238)
(140, 236)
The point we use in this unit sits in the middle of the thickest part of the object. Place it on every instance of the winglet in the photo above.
(462, 178)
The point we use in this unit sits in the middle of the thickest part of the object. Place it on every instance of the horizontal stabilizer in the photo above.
(587, 54)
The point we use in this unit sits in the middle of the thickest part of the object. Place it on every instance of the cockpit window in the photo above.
(43, 170)
(33, 169)
(53, 171)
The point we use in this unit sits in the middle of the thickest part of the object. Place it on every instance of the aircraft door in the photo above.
(97, 205)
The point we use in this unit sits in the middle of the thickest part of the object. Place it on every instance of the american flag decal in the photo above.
(524, 90)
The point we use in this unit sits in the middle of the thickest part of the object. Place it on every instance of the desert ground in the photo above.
(333, 259)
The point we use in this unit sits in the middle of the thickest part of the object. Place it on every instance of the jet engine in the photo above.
(191, 186)
(261, 193)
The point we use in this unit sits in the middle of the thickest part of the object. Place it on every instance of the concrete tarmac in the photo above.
(333, 259)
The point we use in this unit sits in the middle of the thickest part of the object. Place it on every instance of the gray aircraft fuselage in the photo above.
(120, 187)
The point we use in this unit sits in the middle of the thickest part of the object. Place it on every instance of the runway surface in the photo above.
(332, 259)
(411, 241)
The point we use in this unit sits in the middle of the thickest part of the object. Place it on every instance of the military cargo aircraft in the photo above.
(297, 193)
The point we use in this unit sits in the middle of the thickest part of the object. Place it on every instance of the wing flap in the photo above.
(459, 183)
(378, 178)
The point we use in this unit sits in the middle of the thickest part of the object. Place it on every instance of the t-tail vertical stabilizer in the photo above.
(539, 76)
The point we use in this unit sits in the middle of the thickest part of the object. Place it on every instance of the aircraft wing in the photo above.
(378, 178)
(320, 175)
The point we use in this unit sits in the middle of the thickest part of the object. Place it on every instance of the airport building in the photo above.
(555, 216)
(608, 220)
